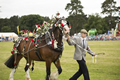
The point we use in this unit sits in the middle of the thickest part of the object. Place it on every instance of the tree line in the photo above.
(26, 22)
(77, 19)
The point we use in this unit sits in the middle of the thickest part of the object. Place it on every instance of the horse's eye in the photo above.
(65, 29)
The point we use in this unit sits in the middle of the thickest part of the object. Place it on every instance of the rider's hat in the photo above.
(83, 31)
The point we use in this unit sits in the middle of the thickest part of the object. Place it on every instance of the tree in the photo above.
(77, 17)
(1, 23)
(95, 21)
(81, 21)
(46, 19)
(4, 22)
(14, 22)
(28, 22)
(74, 7)
(6, 29)
(108, 7)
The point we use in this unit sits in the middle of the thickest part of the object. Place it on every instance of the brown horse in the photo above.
(43, 51)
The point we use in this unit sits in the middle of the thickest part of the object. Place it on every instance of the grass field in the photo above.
(106, 68)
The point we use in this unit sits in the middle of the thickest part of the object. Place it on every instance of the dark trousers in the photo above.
(82, 70)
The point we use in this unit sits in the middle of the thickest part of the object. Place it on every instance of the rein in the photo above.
(34, 48)
(37, 47)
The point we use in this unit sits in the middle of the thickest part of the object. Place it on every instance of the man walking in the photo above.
(80, 55)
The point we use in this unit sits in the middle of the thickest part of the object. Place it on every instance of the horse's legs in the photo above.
(32, 65)
(27, 75)
(54, 75)
(57, 64)
(18, 58)
(48, 69)
(27, 70)
(11, 74)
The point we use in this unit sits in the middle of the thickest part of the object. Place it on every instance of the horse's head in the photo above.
(60, 28)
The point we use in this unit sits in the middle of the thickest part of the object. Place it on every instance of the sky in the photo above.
(9, 8)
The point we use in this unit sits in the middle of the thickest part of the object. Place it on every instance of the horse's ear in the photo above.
(59, 21)
(67, 23)
(53, 27)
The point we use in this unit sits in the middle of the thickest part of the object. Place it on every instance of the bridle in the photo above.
(61, 23)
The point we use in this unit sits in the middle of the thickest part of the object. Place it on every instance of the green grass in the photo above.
(106, 68)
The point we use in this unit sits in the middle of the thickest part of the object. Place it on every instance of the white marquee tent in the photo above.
(8, 35)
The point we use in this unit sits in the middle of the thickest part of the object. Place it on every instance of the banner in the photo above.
(18, 29)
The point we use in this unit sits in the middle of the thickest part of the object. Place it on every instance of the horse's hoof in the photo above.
(54, 75)
(28, 79)
(10, 78)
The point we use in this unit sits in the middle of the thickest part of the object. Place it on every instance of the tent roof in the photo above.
(7, 34)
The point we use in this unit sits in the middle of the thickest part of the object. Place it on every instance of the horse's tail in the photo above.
(10, 62)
